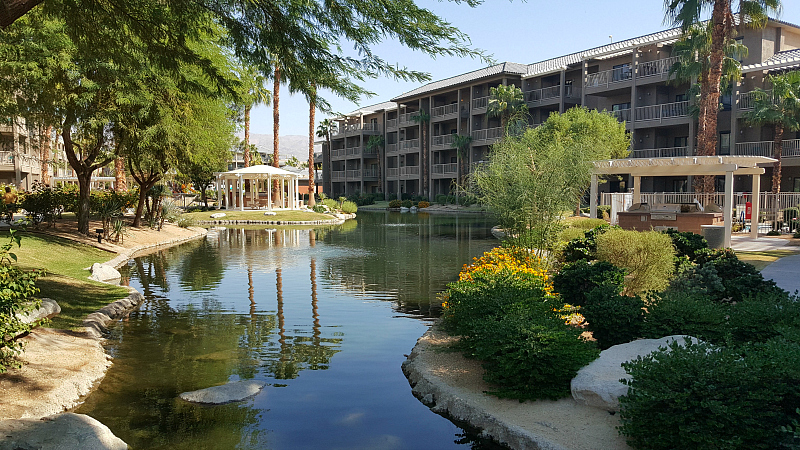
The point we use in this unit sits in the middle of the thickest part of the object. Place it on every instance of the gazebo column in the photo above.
(593, 197)
(637, 189)
(728, 210)
(756, 210)
(241, 193)
(269, 192)
(219, 197)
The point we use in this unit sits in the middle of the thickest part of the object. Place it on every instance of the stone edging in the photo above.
(272, 222)
(445, 399)
(124, 257)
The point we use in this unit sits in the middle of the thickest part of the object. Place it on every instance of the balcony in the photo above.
(663, 111)
(442, 142)
(410, 145)
(444, 112)
(747, 100)
(609, 78)
(353, 175)
(445, 169)
(338, 152)
(391, 123)
(353, 151)
(665, 152)
(658, 68)
(370, 152)
(407, 119)
(338, 175)
(391, 148)
(370, 173)
(791, 148)
(479, 104)
(623, 115)
(409, 170)
(552, 93)
(392, 172)
(488, 134)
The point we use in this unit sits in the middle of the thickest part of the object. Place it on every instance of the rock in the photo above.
(598, 384)
(48, 309)
(102, 272)
(218, 215)
(218, 395)
(413, 209)
(67, 431)
(270, 213)
(403, 209)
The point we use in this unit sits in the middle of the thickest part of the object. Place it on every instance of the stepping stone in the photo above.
(235, 391)
(103, 273)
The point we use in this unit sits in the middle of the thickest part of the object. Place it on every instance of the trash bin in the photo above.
(714, 234)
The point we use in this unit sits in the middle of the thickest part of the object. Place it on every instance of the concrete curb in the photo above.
(447, 400)
(273, 222)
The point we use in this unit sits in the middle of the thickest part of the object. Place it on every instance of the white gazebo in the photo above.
(231, 187)
(685, 166)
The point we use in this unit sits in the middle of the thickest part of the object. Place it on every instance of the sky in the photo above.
(510, 31)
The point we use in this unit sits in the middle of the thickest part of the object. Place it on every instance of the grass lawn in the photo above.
(259, 215)
(765, 258)
(66, 282)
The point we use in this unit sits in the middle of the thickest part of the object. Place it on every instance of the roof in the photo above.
(259, 169)
(682, 165)
(785, 60)
(486, 72)
(373, 109)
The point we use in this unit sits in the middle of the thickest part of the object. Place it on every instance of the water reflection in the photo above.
(322, 315)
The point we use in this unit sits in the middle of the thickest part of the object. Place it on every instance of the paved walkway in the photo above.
(784, 271)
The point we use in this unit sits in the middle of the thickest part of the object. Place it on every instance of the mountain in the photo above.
(288, 146)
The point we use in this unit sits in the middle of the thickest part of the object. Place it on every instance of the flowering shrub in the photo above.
(423, 204)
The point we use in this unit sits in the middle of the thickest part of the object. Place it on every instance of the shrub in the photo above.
(583, 223)
(685, 312)
(739, 278)
(423, 204)
(611, 317)
(585, 247)
(575, 280)
(332, 204)
(603, 211)
(441, 199)
(406, 204)
(185, 221)
(763, 317)
(395, 204)
(391, 197)
(530, 353)
(647, 256)
(41, 205)
(702, 280)
(705, 397)
(319, 208)
(773, 233)
(686, 243)
(349, 207)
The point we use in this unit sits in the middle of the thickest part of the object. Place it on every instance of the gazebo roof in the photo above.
(258, 171)
(682, 165)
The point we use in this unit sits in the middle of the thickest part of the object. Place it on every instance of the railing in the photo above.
(661, 152)
(477, 165)
(392, 171)
(608, 77)
(353, 174)
(409, 144)
(487, 134)
(407, 118)
(442, 141)
(623, 115)
(371, 152)
(445, 168)
(391, 123)
(371, 127)
(662, 111)
(370, 173)
(338, 175)
(747, 99)
(353, 151)
(791, 147)
(409, 170)
(439, 111)
(480, 103)
(338, 152)
(7, 158)
(655, 68)
(391, 148)
(767, 200)
(538, 95)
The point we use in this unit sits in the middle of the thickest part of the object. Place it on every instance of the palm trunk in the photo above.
(311, 188)
(276, 129)
(120, 181)
(778, 150)
(246, 151)
(44, 155)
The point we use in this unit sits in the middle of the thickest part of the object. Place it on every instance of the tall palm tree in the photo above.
(312, 107)
(326, 129)
(687, 13)
(255, 94)
(376, 143)
(423, 118)
(781, 110)
(276, 89)
(508, 103)
(461, 143)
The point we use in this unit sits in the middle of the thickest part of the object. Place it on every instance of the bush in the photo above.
(763, 317)
(406, 204)
(773, 233)
(740, 279)
(611, 317)
(441, 199)
(603, 211)
(705, 397)
(349, 207)
(583, 223)
(332, 204)
(685, 312)
(423, 204)
(41, 205)
(575, 280)
(585, 247)
(319, 208)
(647, 256)
(395, 204)
(530, 353)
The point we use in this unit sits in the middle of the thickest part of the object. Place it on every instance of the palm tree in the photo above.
(461, 143)
(326, 129)
(276, 88)
(376, 143)
(423, 118)
(508, 103)
(312, 106)
(781, 110)
(45, 152)
(687, 13)
(255, 94)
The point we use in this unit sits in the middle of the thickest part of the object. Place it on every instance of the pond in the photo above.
(324, 316)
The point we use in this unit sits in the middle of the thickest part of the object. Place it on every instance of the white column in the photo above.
(637, 189)
(283, 193)
(756, 211)
(593, 197)
(728, 210)
(219, 197)
(297, 198)
(240, 188)
(269, 192)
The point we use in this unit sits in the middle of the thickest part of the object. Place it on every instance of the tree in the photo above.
(276, 89)
(326, 129)
(377, 144)
(508, 103)
(531, 179)
(461, 143)
(423, 118)
(687, 13)
(255, 93)
(780, 109)
(312, 109)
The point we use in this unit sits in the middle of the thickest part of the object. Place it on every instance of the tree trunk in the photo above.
(11, 10)
(120, 180)
(424, 161)
(246, 151)
(137, 219)
(778, 150)
(311, 186)
(45, 155)
(276, 86)
(84, 185)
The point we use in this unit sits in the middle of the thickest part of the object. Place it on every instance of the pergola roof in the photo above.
(258, 171)
(682, 166)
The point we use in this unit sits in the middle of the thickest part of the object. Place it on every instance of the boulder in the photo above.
(218, 215)
(48, 309)
(234, 391)
(598, 384)
(102, 272)
(270, 213)
(66, 431)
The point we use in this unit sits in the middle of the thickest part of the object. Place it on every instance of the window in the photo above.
(725, 99)
(725, 143)
(681, 141)
(620, 106)
(621, 72)
(680, 98)
(796, 184)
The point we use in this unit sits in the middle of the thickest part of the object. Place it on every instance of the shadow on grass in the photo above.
(77, 298)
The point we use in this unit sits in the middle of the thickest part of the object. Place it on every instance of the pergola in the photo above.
(232, 186)
(685, 166)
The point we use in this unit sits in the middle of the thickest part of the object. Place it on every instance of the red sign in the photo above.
(748, 210)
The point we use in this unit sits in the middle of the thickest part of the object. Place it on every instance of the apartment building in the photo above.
(20, 164)
(629, 78)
